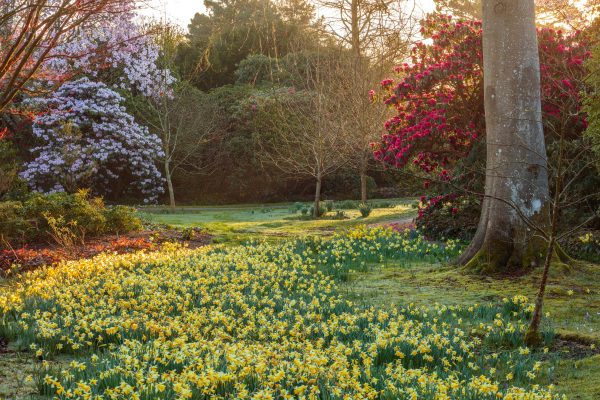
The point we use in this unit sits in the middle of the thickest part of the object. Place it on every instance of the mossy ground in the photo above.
(572, 301)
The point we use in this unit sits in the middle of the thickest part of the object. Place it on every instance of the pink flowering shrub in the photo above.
(438, 130)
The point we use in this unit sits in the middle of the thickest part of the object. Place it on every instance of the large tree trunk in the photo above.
(516, 183)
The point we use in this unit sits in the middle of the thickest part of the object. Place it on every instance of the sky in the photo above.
(182, 11)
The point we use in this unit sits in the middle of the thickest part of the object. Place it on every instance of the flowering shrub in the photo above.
(88, 140)
(256, 321)
(447, 216)
(102, 40)
(439, 119)
(439, 99)
(116, 51)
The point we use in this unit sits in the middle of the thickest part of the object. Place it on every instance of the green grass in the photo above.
(245, 222)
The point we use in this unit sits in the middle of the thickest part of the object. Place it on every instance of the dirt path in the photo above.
(401, 223)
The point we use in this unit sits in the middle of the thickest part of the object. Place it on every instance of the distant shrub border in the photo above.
(65, 219)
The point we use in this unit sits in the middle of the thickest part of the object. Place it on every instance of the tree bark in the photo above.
(516, 183)
(170, 185)
(363, 187)
(317, 203)
(355, 30)
(363, 177)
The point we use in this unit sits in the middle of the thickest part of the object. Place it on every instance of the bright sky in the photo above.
(182, 11)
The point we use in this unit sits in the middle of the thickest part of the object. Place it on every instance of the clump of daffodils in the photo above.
(259, 321)
(356, 249)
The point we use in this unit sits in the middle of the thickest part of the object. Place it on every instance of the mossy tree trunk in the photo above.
(516, 181)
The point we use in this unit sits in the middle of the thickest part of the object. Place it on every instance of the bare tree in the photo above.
(189, 128)
(181, 116)
(303, 133)
(378, 34)
(573, 159)
(367, 119)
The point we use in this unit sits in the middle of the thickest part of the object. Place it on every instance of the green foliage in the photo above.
(188, 233)
(64, 233)
(247, 113)
(257, 70)
(355, 204)
(79, 212)
(235, 155)
(340, 214)
(346, 204)
(456, 218)
(592, 103)
(297, 207)
(232, 30)
(328, 205)
(365, 209)
(13, 225)
(585, 246)
(8, 165)
(322, 210)
(122, 219)
(63, 218)
(19, 190)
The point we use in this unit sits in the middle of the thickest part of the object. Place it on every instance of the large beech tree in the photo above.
(516, 181)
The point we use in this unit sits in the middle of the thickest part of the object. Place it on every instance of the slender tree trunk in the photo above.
(516, 183)
(363, 180)
(363, 187)
(533, 337)
(170, 185)
(358, 71)
(355, 34)
(317, 203)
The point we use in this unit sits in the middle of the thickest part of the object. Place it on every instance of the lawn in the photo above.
(315, 308)
(243, 222)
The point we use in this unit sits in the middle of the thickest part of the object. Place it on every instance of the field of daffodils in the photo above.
(264, 321)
